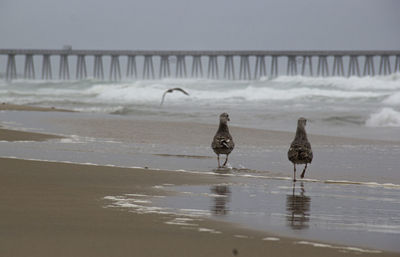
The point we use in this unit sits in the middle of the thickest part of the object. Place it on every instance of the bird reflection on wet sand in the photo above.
(298, 209)
(221, 199)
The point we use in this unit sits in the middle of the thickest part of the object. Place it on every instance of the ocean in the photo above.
(351, 192)
(367, 107)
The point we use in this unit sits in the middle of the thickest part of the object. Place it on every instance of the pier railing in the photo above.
(231, 65)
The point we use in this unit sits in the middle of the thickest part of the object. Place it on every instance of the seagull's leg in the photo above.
(304, 171)
(219, 165)
(294, 172)
(225, 160)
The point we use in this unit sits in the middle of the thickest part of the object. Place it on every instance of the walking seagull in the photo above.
(300, 151)
(222, 142)
(170, 91)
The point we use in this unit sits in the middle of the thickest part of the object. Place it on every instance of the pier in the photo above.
(227, 65)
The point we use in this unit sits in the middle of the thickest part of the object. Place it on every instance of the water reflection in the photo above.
(222, 197)
(298, 208)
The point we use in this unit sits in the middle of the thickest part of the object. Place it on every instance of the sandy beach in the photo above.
(61, 209)
(56, 209)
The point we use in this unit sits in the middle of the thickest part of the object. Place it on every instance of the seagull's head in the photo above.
(224, 118)
(302, 122)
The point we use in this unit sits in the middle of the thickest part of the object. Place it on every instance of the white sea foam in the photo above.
(271, 239)
(345, 248)
(393, 99)
(241, 236)
(353, 83)
(139, 92)
(386, 117)
(136, 203)
(133, 204)
(181, 222)
(209, 230)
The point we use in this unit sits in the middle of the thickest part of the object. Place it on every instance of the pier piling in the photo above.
(384, 66)
(354, 68)
(131, 71)
(165, 71)
(115, 69)
(229, 69)
(197, 67)
(29, 68)
(260, 69)
(274, 66)
(291, 66)
(98, 71)
(213, 67)
(180, 67)
(369, 69)
(11, 71)
(244, 68)
(338, 69)
(64, 67)
(305, 64)
(322, 68)
(81, 72)
(148, 68)
(46, 67)
(397, 64)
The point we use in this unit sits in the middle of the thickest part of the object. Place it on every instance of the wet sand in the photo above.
(57, 209)
(16, 107)
(14, 135)
(190, 133)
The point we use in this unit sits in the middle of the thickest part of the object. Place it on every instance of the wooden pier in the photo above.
(227, 65)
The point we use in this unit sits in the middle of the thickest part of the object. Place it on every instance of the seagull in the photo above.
(222, 142)
(300, 151)
(172, 90)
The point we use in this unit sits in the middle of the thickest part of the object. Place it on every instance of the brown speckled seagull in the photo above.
(300, 151)
(222, 142)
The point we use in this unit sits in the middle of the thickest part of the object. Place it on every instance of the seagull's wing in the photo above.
(163, 96)
(181, 90)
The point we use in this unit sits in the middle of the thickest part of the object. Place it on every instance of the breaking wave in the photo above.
(393, 99)
(387, 117)
(149, 92)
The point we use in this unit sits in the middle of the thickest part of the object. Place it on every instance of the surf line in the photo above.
(339, 182)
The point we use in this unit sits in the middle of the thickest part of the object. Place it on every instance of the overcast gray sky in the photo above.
(201, 24)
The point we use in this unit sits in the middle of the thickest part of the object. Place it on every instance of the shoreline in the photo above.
(56, 208)
(185, 145)
(182, 131)
(16, 107)
(46, 204)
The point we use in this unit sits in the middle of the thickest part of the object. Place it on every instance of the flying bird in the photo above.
(170, 91)
(223, 142)
(300, 151)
